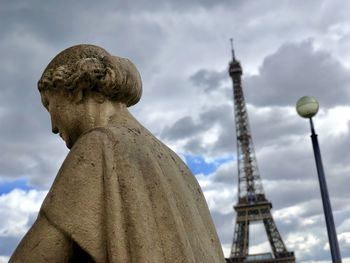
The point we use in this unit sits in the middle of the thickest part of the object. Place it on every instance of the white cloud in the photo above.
(18, 210)
(334, 122)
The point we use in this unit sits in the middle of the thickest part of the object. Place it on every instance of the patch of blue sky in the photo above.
(199, 165)
(7, 186)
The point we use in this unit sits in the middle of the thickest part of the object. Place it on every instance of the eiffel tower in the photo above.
(252, 205)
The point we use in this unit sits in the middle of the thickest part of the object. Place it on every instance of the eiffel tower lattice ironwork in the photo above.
(252, 204)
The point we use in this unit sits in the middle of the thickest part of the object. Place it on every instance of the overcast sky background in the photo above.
(288, 49)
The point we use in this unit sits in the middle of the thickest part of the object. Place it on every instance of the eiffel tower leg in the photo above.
(240, 243)
(276, 242)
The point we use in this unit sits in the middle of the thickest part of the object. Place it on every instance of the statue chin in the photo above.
(69, 142)
(69, 145)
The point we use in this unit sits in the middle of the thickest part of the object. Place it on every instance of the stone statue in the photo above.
(121, 195)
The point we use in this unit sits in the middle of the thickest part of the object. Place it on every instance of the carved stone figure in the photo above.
(121, 195)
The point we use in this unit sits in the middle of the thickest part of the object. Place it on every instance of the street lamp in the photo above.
(307, 107)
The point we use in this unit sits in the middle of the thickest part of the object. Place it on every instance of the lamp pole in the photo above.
(307, 107)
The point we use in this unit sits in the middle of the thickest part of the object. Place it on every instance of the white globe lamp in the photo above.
(307, 107)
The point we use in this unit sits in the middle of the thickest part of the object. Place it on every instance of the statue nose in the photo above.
(54, 130)
(54, 127)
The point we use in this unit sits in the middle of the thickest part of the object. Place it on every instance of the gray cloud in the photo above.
(183, 128)
(29, 150)
(296, 70)
(186, 127)
(195, 146)
(271, 124)
(224, 224)
(335, 149)
(209, 80)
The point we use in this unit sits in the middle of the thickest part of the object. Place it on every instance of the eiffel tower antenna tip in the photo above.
(232, 50)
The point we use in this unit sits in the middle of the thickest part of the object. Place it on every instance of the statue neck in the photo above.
(104, 114)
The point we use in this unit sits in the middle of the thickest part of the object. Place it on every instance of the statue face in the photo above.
(65, 115)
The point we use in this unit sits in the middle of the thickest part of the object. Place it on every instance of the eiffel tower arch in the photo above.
(252, 205)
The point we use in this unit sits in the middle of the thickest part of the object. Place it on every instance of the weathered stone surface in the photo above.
(121, 195)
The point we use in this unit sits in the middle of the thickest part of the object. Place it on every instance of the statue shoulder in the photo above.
(100, 139)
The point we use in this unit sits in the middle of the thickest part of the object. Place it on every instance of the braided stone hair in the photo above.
(87, 68)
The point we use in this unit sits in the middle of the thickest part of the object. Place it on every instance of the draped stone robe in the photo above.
(123, 196)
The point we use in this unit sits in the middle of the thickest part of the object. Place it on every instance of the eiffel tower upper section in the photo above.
(250, 190)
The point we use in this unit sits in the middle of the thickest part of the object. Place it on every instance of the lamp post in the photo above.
(307, 107)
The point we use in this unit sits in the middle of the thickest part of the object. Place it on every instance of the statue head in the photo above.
(84, 69)
(82, 80)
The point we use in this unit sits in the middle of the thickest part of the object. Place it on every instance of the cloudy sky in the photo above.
(288, 49)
